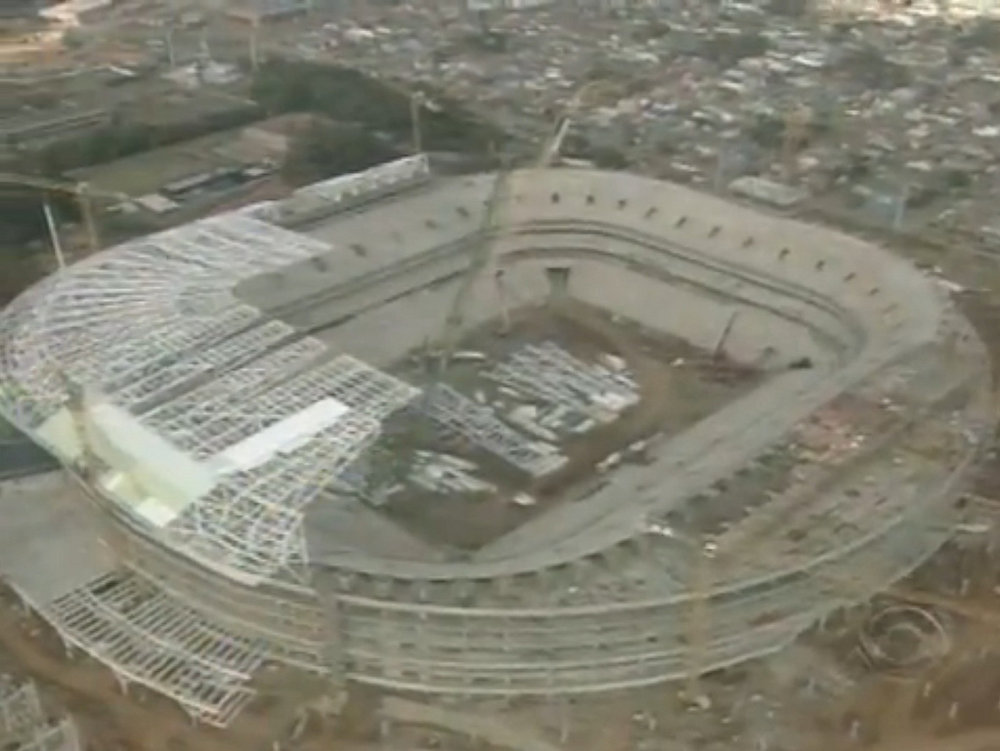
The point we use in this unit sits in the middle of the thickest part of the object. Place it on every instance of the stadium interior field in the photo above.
(657, 398)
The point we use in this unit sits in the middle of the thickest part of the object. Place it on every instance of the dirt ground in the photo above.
(138, 720)
(952, 704)
(678, 385)
(949, 704)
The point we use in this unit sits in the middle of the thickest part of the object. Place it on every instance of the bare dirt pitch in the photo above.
(678, 385)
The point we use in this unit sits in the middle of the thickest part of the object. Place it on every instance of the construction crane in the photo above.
(797, 122)
(76, 406)
(492, 225)
(488, 237)
(699, 618)
(419, 102)
(81, 192)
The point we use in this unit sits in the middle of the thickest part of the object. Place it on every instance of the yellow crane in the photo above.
(797, 122)
(81, 192)
(76, 402)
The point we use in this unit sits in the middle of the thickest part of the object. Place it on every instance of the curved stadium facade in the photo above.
(213, 387)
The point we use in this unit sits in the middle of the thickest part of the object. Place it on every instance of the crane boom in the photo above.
(480, 259)
(489, 235)
(82, 192)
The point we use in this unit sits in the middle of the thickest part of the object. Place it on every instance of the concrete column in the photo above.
(558, 278)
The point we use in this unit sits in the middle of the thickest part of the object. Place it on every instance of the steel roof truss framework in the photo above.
(72, 314)
(148, 637)
(208, 420)
(458, 415)
(244, 346)
(176, 418)
(138, 358)
(252, 521)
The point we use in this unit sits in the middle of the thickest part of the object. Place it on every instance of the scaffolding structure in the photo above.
(589, 603)
(251, 521)
(118, 318)
(150, 638)
(25, 726)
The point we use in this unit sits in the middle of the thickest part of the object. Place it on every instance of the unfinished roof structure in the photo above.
(214, 388)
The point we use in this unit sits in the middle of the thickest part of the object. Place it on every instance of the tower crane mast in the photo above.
(489, 235)
(81, 192)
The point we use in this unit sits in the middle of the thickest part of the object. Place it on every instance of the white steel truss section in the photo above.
(20, 708)
(138, 357)
(135, 275)
(273, 541)
(459, 416)
(238, 246)
(60, 735)
(150, 298)
(29, 390)
(185, 420)
(204, 428)
(146, 636)
(199, 362)
(252, 521)
(361, 387)
(243, 415)
(24, 725)
(121, 348)
(137, 285)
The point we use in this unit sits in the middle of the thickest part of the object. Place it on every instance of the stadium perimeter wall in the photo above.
(340, 623)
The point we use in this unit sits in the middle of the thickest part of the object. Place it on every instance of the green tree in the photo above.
(608, 157)
(349, 96)
(325, 150)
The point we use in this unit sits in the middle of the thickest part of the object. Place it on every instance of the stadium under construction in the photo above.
(651, 434)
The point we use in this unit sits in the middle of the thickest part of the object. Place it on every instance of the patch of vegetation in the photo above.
(727, 49)
(326, 150)
(982, 34)
(22, 227)
(122, 137)
(21, 218)
(790, 8)
(608, 157)
(651, 30)
(347, 95)
(766, 130)
(19, 273)
(577, 146)
(873, 70)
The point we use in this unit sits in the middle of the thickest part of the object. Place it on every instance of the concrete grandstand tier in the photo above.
(235, 369)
